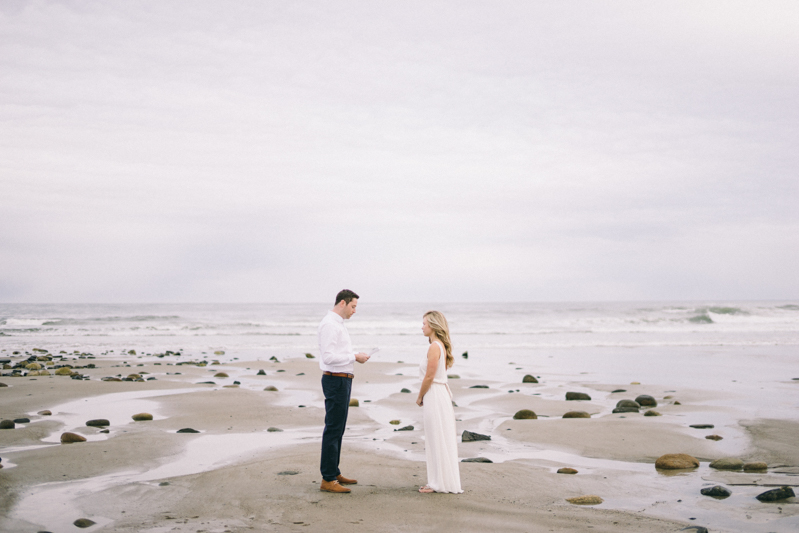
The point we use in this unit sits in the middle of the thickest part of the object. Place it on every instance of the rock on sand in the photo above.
(574, 396)
(717, 492)
(676, 461)
(140, 417)
(645, 400)
(529, 379)
(576, 414)
(98, 422)
(69, 438)
(727, 463)
(525, 414)
(567, 471)
(469, 436)
(755, 467)
(585, 500)
(776, 494)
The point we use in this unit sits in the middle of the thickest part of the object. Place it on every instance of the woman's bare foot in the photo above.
(425, 490)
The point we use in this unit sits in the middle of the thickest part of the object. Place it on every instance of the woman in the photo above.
(439, 417)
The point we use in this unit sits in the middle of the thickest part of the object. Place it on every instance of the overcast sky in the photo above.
(411, 151)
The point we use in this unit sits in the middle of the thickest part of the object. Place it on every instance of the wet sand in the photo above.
(236, 476)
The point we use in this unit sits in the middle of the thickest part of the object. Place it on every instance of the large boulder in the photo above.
(7, 424)
(774, 495)
(676, 461)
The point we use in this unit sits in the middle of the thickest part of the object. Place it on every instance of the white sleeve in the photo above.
(327, 346)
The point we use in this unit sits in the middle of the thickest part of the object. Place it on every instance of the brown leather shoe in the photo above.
(333, 486)
(346, 481)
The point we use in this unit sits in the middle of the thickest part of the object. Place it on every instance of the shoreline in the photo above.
(227, 476)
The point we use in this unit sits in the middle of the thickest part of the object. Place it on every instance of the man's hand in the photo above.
(361, 357)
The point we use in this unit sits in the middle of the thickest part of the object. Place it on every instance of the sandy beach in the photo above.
(253, 466)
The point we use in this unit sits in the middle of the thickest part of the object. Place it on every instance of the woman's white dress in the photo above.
(441, 446)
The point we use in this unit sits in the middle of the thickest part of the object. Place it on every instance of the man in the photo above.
(337, 364)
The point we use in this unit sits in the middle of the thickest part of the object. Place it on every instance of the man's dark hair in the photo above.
(346, 295)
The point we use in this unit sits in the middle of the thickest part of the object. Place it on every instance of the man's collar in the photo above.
(337, 317)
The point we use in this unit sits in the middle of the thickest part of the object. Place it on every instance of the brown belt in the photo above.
(339, 374)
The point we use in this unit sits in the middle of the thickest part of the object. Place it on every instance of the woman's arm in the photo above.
(433, 355)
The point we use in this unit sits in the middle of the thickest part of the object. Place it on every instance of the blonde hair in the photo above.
(438, 323)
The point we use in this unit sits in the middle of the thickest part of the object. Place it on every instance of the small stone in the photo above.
(628, 403)
(479, 387)
(469, 436)
(695, 529)
(261, 373)
(677, 403)
(645, 400)
(576, 414)
(221, 375)
(84, 522)
(288, 473)
(46, 412)
(219, 352)
(717, 492)
(529, 379)
(585, 500)
(727, 463)
(714, 437)
(625, 410)
(98, 422)
(23, 420)
(453, 376)
(477, 460)
(406, 428)
(676, 461)
(354, 402)
(140, 417)
(274, 430)
(618, 390)
(271, 388)
(187, 430)
(310, 356)
(465, 355)
(567, 471)
(394, 422)
(406, 391)
(755, 467)
(635, 383)
(273, 358)
(163, 484)
(64, 371)
(576, 396)
(702, 426)
(110, 378)
(69, 438)
(776, 494)
(525, 414)
(7, 424)
(652, 412)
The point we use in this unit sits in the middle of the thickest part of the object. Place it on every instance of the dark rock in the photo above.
(576, 414)
(3, 385)
(626, 410)
(354, 402)
(273, 358)
(206, 383)
(479, 387)
(164, 484)
(714, 437)
(310, 356)
(104, 431)
(717, 492)
(406, 428)
(525, 414)
(477, 460)
(261, 373)
(585, 500)
(141, 417)
(110, 378)
(69, 438)
(644, 400)
(406, 391)
(628, 403)
(187, 430)
(271, 388)
(453, 376)
(702, 426)
(727, 463)
(529, 379)
(301, 374)
(618, 390)
(652, 412)
(755, 467)
(288, 473)
(567, 471)
(221, 375)
(274, 430)
(676, 461)
(573, 396)
(46, 412)
(84, 522)
(22, 420)
(469, 436)
(776, 494)
(465, 355)
(7, 424)
(695, 529)
(98, 422)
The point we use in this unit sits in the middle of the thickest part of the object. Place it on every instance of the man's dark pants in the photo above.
(337, 403)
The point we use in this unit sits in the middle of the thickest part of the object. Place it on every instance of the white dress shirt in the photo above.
(335, 345)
